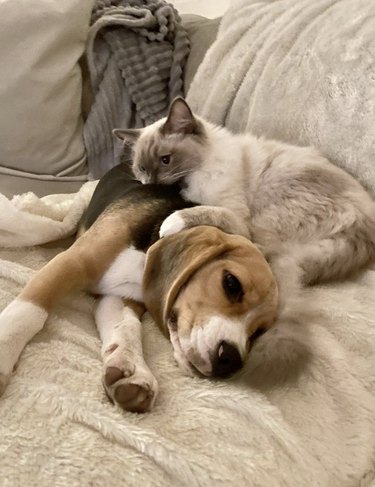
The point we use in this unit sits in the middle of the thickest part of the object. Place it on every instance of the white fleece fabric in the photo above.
(301, 413)
(300, 71)
(28, 220)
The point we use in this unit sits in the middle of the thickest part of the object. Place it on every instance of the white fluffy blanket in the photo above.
(301, 71)
(302, 413)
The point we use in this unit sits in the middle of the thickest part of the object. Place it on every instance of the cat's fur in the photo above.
(290, 200)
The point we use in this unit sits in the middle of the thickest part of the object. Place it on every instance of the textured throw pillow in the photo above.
(41, 42)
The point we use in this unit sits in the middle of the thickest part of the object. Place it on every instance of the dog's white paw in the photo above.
(172, 224)
(129, 383)
(19, 322)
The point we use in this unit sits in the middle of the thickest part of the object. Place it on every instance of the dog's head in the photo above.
(213, 293)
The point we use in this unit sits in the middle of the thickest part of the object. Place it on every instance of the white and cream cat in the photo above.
(291, 201)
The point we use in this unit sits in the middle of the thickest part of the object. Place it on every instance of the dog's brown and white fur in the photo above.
(291, 201)
(210, 292)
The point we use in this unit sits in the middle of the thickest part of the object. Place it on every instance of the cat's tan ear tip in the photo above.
(118, 133)
(179, 100)
(128, 136)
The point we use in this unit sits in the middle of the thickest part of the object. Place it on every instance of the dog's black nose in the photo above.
(226, 361)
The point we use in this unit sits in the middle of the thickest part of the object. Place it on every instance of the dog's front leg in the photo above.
(126, 377)
(214, 216)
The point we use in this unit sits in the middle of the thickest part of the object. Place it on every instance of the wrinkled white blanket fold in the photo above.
(302, 413)
(28, 220)
(296, 70)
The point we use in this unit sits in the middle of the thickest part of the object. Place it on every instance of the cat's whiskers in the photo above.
(176, 176)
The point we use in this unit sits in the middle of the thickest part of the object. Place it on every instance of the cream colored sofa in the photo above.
(302, 412)
(45, 92)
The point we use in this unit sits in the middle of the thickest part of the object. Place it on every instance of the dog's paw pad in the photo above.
(133, 391)
(127, 392)
(112, 375)
(133, 397)
(172, 224)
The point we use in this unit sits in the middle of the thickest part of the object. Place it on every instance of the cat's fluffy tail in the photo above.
(331, 258)
(297, 265)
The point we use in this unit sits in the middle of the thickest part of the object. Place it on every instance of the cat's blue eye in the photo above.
(165, 160)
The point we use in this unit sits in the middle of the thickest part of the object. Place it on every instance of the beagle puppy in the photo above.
(211, 293)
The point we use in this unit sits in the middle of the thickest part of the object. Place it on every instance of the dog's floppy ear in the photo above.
(172, 261)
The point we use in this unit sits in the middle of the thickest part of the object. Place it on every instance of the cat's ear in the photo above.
(128, 136)
(180, 119)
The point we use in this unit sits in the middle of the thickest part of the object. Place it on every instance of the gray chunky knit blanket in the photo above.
(136, 52)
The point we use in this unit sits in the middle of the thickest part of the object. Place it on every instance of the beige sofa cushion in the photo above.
(202, 33)
(41, 42)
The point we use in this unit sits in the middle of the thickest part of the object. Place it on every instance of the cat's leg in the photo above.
(215, 216)
(126, 377)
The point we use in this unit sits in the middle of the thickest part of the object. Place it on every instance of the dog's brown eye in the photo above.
(142, 169)
(232, 287)
(165, 160)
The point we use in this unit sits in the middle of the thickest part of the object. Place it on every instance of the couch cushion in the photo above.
(41, 42)
(202, 33)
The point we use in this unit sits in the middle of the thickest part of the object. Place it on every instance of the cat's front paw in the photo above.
(172, 224)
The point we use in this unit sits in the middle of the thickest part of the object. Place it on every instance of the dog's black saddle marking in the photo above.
(152, 202)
